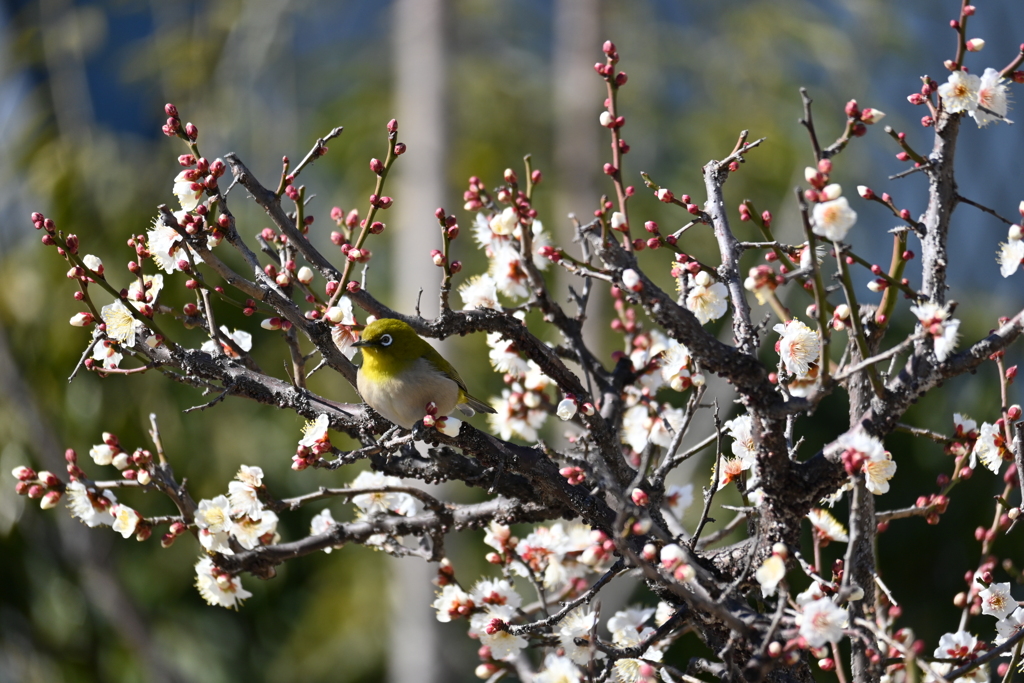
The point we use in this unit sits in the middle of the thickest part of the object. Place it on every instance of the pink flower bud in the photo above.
(400, 148)
(352, 287)
(455, 267)
(609, 169)
(640, 498)
(83, 319)
(191, 131)
(437, 257)
(664, 195)
(510, 176)
(975, 45)
(393, 126)
(385, 202)
(870, 116)
(621, 78)
(631, 280)
(376, 166)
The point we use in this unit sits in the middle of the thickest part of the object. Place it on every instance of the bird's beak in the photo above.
(361, 343)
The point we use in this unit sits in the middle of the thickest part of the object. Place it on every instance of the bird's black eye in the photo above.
(385, 340)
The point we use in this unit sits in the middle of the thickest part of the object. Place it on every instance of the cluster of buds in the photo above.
(673, 560)
(935, 503)
(356, 254)
(505, 543)
(625, 321)
(176, 529)
(573, 474)
(859, 119)
(173, 125)
(445, 573)
(840, 316)
(476, 196)
(43, 486)
(446, 424)
(135, 466)
(762, 281)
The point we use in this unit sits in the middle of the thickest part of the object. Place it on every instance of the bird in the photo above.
(401, 374)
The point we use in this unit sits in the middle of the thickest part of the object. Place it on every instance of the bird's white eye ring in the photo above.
(385, 340)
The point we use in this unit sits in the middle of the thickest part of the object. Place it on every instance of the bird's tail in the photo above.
(470, 406)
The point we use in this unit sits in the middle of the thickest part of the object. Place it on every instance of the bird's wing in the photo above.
(431, 355)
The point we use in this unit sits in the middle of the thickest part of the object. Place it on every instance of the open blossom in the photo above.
(935, 321)
(956, 645)
(741, 429)
(121, 326)
(250, 532)
(578, 625)
(826, 527)
(88, 507)
(822, 622)
(321, 524)
(213, 517)
(218, 587)
(678, 499)
(503, 645)
(706, 299)
(628, 622)
(241, 338)
(960, 92)
(833, 219)
(988, 448)
(878, 472)
(992, 96)
(513, 417)
(558, 669)
(799, 347)
(675, 365)
(479, 291)
(244, 499)
(185, 192)
(770, 573)
(505, 222)
(504, 356)
(382, 501)
(316, 431)
(732, 470)
(451, 603)
(1009, 625)
(166, 245)
(1010, 256)
(125, 520)
(495, 592)
(996, 600)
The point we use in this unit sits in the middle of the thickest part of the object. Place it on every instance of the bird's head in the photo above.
(387, 339)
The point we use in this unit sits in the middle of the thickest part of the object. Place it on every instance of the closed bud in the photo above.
(305, 275)
(606, 119)
(852, 110)
(376, 166)
(510, 176)
(664, 195)
(377, 227)
(400, 148)
(975, 45)
(640, 498)
(191, 131)
(870, 115)
(536, 176)
(437, 257)
(455, 267)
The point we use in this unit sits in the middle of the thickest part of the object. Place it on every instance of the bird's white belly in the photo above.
(403, 399)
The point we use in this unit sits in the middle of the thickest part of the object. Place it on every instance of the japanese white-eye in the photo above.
(401, 374)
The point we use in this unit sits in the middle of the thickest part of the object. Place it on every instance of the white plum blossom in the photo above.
(495, 592)
(321, 524)
(503, 645)
(741, 429)
(242, 494)
(146, 291)
(166, 245)
(935, 321)
(992, 96)
(770, 573)
(213, 517)
(799, 347)
(217, 587)
(107, 354)
(504, 357)
(448, 425)
(1009, 256)
(631, 619)
(479, 291)
(640, 427)
(960, 92)
(86, 506)
(558, 669)
(826, 527)
(249, 532)
(578, 624)
(822, 622)
(121, 326)
(1009, 625)
(833, 219)
(451, 603)
(185, 190)
(241, 338)
(513, 417)
(382, 502)
(706, 299)
(315, 431)
(987, 450)
(504, 223)
(675, 365)
(996, 600)
(125, 520)
(955, 645)
(678, 499)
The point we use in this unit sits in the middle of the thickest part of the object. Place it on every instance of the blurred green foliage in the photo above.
(265, 79)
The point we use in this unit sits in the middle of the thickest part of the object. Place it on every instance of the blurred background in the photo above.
(475, 85)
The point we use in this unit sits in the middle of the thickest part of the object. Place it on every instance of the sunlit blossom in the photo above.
(960, 92)
(218, 587)
(833, 219)
(822, 622)
(799, 347)
(706, 299)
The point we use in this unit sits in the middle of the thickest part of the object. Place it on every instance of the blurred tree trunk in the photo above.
(419, 103)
